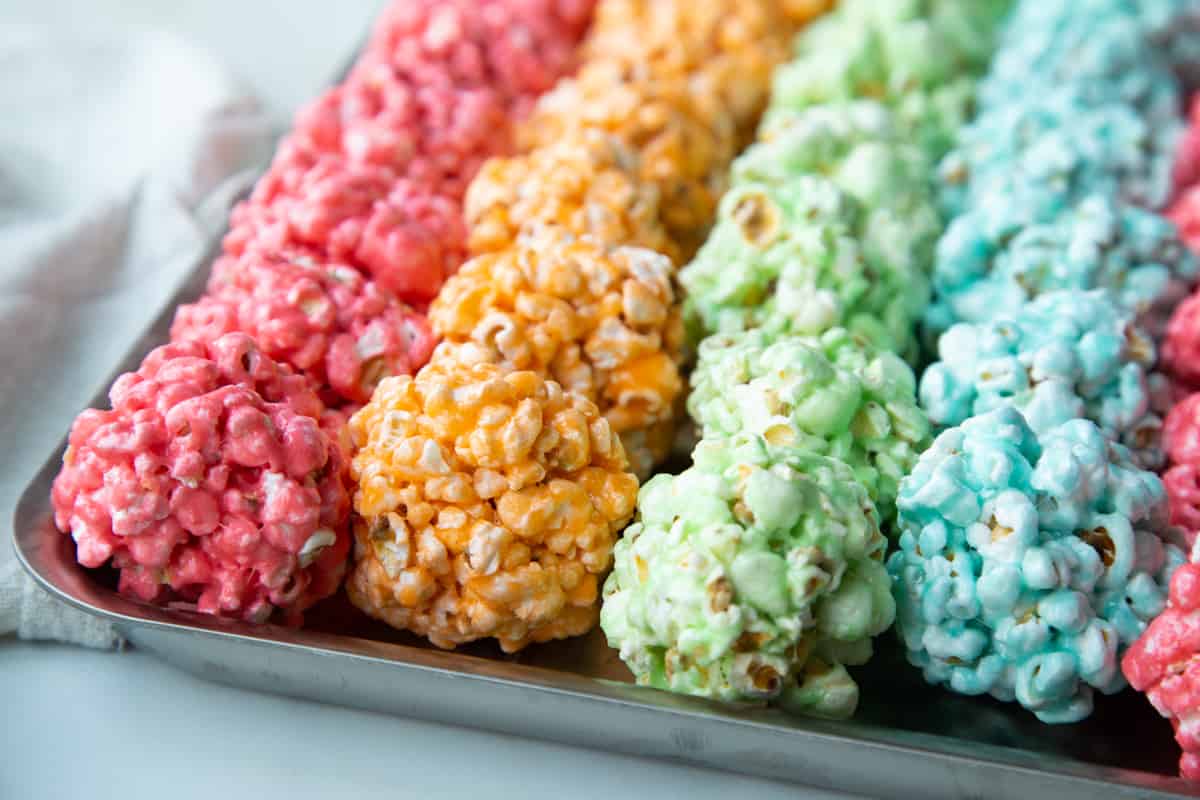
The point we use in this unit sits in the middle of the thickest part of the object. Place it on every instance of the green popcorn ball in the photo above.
(751, 576)
(1066, 355)
(972, 29)
(833, 395)
(1027, 564)
(805, 257)
(858, 147)
(919, 58)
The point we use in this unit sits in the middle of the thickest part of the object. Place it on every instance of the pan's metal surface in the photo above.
(908, 740)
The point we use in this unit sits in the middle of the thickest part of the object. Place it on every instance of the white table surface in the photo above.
(85, 724)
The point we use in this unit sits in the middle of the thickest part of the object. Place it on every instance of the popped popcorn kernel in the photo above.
(487, 504)
(600, 321)
(325, 321)
(210, 481)
(751, 576)
(587, 185)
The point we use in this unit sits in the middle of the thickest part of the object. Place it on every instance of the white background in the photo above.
(75, 723)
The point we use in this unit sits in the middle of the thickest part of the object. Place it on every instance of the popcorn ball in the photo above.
(1181, 347)
(1165, 664)
(405, 237)
(1064, 356)
(983, 268)
(1028, 564)
(324, 320)
(804, 257)
(602, 321)
(434, 134)
(519, 48)
(586, 185)
(918, 58)
(1185, 213)
(1186, 173)
(727, 50)
(834, 395)
(683, 137)
(1106, 56)
(1181, 441)
(487, 505)
(751, 576)
(209, 482)
(858, 147)
(1039, 157)
(1172, 26)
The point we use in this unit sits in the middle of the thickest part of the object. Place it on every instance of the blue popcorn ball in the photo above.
(1172, 26)
(1067, 355)
(1049, 152)
(1028, 564)
(986, 265)
(1105, 58)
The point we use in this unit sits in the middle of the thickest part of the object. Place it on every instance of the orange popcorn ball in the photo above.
(727, 49)
(488, 504)
(601, 321)
(586, 184)
(684, 138)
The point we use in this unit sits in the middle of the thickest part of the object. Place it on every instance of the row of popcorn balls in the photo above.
(757, 574)
(375, 171)
(594, 217)
(680, 85)
(1054, 185)
(1162, 663)
(1035, 545)
(492, 484)
(219, 477)
(832, 220)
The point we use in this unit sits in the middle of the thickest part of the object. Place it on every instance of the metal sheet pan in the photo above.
(908, 739)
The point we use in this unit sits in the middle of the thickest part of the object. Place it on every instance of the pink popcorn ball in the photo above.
(1186, 173)
(1165, 664)
(434, 134)
(1181, 346)
(1185, 213)
(402, 234)
(1181, 440)
(327, 321)
(209, 482)
(518, 47)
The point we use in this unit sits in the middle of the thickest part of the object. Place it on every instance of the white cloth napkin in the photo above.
(120, 153)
